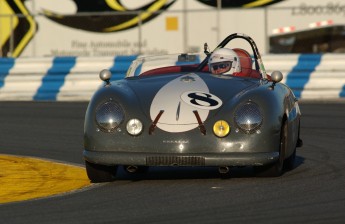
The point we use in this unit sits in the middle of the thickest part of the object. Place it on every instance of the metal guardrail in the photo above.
(313, 76)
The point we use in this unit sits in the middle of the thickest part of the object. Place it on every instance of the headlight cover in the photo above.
(221, 128)
(134, 127)
(248, 117)
(109, 116)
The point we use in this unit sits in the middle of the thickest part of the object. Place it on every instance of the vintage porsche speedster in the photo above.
(177, 110)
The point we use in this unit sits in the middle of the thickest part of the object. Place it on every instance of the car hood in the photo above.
(178, 102)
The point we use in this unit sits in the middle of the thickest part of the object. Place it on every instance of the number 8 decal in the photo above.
(201, 100)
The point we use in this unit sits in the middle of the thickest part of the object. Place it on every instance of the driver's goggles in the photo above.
(221, 65)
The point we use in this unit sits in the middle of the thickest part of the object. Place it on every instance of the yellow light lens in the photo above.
(221, 128)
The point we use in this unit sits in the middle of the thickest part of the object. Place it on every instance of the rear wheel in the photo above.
(100, 173)
(276, 169)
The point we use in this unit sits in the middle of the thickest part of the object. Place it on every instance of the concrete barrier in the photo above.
(56, 79)
(311, 76)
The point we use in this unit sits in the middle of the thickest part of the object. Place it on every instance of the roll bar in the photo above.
(258, 60)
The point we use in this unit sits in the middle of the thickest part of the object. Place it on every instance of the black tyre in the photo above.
(289, 163)
(100, 173)
(275, 169)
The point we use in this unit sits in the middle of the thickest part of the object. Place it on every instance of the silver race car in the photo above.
(220, 109)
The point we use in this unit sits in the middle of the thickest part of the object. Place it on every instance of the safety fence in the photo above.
(310, 76)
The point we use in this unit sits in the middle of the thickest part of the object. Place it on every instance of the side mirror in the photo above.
(105, 75)
(276, 76)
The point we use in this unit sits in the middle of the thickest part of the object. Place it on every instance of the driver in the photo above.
(224, 61)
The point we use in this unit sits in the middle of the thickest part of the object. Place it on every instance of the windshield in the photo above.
(148, 63)
(243, 66)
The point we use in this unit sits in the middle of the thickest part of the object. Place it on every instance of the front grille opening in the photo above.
(175, 161)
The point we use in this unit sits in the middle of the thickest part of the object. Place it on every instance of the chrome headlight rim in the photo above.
(109, 115)
(134, 126)
(248, 117)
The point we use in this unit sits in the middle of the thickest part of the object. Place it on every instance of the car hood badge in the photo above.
(187, 78)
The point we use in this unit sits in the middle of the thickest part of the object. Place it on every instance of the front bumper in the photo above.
(172, 159)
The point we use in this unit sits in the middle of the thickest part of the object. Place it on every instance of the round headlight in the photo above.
(109, 116)
(248, 117)
(134, 127)
(221, 128)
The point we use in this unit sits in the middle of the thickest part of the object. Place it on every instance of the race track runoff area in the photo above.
(24, 178)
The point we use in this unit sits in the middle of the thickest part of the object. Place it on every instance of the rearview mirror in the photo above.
(186, 58)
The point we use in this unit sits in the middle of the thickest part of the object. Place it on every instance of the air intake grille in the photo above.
(175, 161)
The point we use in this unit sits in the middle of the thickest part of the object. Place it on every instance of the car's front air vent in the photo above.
(175, 161)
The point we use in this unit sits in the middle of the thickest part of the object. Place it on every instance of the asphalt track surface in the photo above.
(314, 192)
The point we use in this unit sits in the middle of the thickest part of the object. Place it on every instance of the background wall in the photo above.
(41, 28)
(311, 76)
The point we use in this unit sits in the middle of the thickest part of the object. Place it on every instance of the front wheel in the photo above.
(100, 173)
(289, 163)
(275, 169)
